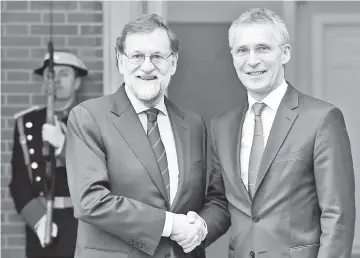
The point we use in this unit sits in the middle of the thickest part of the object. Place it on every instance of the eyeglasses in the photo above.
(157, 59)
(261, 51)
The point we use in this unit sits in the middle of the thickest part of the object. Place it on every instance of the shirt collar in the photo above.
(273, 99)
(139, 105)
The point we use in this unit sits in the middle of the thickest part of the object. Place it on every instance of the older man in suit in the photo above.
(136, 162)
(282, 159)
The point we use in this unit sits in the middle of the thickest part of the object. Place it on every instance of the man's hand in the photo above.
(188, 231)
(53, 134)
(40, 230)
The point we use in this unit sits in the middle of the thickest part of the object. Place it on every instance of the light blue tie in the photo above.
(257, 148)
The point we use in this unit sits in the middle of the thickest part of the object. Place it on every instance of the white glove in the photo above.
(53, 134)
(40, 230)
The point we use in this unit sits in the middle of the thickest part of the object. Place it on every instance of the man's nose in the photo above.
(147, 65)
(253, 59)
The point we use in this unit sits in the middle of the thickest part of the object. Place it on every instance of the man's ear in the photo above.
(120, 62)
(174, 63)
(77, 83)
(286, 54)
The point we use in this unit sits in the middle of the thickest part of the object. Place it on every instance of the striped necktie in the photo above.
(257, 148)
(157, 145)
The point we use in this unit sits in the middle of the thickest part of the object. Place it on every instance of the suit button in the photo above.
(167, 254)
(252, 254)
(37, 179)
(255, 219)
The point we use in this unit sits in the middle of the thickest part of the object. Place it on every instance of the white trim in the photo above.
(319, 21)
(289, 13)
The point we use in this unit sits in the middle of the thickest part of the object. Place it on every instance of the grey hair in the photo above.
(260, 16)
(146, 24)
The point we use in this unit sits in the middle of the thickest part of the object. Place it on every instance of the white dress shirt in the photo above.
(272, 102)
(167, 137)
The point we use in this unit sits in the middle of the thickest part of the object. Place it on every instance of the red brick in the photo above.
(18, 75)
(8, 205)
(91, 52)
(16, 53)
(85, 41)
(10, 123)
(91, 30)
(95, 76)
(23, 41)
(14, 219)
(38, 100)
(18, 100)
(16, 29)
(3, 148)
(12, 252)
(3, 99)
(19, 64)
(58, 41)
(24, 87)
(56, 18)
(56, 29)
(3, 123)
(84, 17)
(94, 65)
(91, 88)
(20, 17)
(57, 5)
(38, 53)
(90, 6)
(16, 241)
(16, 5)
(7, 134)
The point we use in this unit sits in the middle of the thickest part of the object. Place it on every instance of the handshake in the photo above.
(188, 230)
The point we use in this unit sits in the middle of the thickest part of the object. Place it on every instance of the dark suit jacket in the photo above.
(304, 204)
(25, 190)
(118, 193)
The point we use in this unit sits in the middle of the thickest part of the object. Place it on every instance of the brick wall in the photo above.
(77, 28)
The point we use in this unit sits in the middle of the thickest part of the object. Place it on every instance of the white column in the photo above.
(289, 16)
(115, 15)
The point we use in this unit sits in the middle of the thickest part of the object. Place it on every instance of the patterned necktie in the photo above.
(158, 146)
(257, 148)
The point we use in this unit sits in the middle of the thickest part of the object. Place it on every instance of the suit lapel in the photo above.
(130, 127)
(181, 134)
(284, 119)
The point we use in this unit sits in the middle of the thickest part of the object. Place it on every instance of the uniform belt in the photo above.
(60, 202)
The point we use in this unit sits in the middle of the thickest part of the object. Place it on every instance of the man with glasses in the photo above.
(136, 162)
(282, 159)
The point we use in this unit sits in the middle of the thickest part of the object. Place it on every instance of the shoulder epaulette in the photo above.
(24, 112)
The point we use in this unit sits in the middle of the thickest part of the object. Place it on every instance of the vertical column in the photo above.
(115, 15)
(289, 16)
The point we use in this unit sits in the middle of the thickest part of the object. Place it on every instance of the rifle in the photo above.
(48, 149)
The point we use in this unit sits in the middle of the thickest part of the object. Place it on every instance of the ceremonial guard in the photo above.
(27, 186)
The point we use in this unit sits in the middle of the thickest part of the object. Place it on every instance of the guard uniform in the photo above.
(28, 174)
(27, 187)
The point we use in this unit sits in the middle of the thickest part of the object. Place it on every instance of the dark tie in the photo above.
(257, 148)
(158, 146)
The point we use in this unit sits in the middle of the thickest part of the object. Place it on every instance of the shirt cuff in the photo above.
(40, 221)
(204, 223)
(169, 218)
